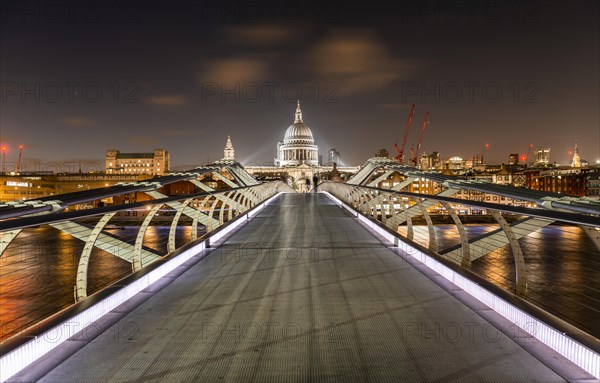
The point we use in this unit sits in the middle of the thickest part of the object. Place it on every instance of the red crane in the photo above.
(485, 149)
(400, 156)
(416, 155)
(528, 158)
(18, 165)
(4, 159)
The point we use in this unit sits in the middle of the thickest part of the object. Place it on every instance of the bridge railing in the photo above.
(52, 260)
(547, 257)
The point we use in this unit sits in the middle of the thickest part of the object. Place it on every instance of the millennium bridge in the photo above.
(244, 280)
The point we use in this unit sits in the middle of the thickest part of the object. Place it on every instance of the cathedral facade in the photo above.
(298, 145)
(296, 158)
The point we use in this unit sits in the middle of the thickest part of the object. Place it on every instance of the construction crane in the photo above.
(4, 159)
(415, 157)
(485, 149)
(527, 158)
(400, 156)
(18, 165)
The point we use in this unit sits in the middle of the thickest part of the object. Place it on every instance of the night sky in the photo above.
(81, 77)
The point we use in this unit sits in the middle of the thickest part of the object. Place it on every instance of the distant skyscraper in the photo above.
(435, 160)
(228, 152)
(333, 156)
(542, 157)
(576, 162)
(513, 159)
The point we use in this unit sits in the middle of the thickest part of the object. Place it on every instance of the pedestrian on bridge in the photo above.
(307, 184)
(315, 183)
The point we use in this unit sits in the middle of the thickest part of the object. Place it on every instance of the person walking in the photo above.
(315, 182)
(307, 184)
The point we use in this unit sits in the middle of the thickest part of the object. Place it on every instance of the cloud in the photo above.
(264, 46)
(167, 100)
(358, 61)
(77, 122)
(234, 70)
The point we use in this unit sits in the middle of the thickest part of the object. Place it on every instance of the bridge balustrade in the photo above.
(548, 257)
(50, 261)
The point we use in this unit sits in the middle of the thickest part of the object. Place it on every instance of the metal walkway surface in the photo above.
(302, 292)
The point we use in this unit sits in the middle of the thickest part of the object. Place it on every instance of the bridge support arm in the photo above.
(172, 231)
(139, 241)
(464, 239)
(430, 227)
(84, 259)
(521, 272)
(6, 239)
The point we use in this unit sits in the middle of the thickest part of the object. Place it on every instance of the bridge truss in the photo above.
(28, 228)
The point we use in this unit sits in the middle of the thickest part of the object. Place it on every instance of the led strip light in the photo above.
(21, 357)
(579, 354)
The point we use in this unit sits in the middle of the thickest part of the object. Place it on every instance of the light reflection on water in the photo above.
(38, 271)
(562, 263)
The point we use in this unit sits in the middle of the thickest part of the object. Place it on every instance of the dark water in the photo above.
(37, 272)
(562, 263)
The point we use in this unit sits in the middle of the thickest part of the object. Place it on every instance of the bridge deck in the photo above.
(302, 293)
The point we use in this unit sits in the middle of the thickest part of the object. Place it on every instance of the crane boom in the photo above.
(528, 158)
(400, 157)
(3, 159)
(18, 165)
(416, 155)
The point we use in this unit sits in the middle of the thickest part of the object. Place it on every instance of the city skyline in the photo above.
(99, 75)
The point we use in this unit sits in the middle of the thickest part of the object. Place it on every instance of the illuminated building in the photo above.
(297, 158)
(431, 161)
(592, 185)
(228, 152)
(34, 185)
(333, 157)
(576, 162)
(542, 157)
(154, 163)
(564, 181)
(298, 145)
(455, 163)
(382, 153)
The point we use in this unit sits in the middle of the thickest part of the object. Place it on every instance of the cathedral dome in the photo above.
(298, 132)
(298, 146)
